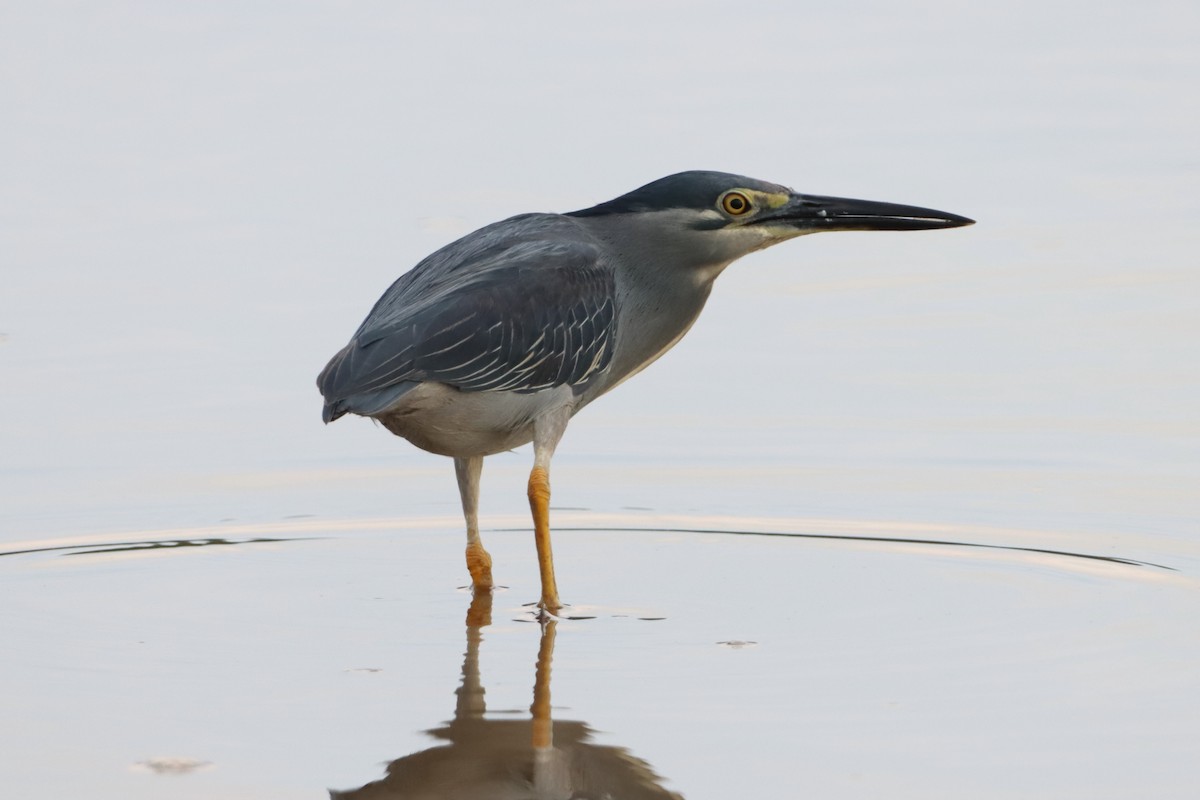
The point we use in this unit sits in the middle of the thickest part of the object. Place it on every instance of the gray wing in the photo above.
(536, 315)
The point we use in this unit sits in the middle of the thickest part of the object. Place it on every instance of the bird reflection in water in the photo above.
(508, 759)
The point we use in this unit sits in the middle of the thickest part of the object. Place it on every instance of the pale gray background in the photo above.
(198, 204)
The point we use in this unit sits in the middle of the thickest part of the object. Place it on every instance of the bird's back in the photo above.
(521, 305)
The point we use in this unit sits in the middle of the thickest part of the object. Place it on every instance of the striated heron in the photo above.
(499, 338)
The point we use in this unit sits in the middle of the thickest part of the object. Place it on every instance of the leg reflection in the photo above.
(537, 758)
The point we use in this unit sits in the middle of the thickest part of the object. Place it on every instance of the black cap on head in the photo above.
(696, 189)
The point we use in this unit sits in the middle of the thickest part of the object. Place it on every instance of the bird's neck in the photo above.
(659, 295)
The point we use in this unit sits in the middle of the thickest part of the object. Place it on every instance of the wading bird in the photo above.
(499, 338)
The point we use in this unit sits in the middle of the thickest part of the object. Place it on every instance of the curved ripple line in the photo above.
(889, 539)
(160, 544)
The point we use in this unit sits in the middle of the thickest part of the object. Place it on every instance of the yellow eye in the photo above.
(735, 203)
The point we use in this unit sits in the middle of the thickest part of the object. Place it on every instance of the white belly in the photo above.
(443, 420)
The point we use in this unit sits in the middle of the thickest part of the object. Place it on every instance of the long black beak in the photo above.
(817, 213)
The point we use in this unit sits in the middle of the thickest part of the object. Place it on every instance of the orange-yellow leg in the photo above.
(479, 564)
(539, 504)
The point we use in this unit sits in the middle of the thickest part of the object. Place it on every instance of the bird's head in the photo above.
(726, 216)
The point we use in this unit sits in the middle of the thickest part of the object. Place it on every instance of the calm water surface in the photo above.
(905, 515)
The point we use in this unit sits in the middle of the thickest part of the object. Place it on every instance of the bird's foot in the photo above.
(479, 564)
(550, 603)
(544, 612)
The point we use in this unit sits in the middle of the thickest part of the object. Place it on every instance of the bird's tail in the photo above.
(342, 396)
(366, 404)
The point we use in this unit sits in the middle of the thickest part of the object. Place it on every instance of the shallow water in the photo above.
(275, 660)
(908, 515)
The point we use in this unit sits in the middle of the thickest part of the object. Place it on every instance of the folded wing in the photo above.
(535, 315)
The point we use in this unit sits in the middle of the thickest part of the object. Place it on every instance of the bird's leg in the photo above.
(479, 563)
(539, 504)
(546, 433)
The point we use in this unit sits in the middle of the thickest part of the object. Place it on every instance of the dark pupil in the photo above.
(736, 203)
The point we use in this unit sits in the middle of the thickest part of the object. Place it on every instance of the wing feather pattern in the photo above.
(534, 315)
